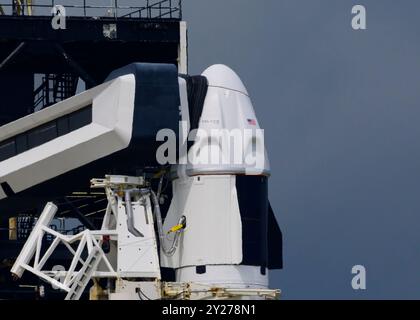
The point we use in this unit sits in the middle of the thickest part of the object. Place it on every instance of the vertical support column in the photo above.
(183, 48)
(29, 7)
(29, 248)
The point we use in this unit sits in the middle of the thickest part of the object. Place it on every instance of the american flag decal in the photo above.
(252, 122)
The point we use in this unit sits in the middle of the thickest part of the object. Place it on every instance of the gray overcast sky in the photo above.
(341, 110)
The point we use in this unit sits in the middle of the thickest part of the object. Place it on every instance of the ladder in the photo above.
(53, 89)
(85, 274)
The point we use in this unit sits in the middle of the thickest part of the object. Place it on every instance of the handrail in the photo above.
(149, 9)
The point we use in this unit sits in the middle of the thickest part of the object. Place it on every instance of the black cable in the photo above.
(140, 293)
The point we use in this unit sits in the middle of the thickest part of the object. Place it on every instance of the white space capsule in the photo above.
(225, 203)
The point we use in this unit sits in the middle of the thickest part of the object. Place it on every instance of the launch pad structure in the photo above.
(46, 66)
(41, 66)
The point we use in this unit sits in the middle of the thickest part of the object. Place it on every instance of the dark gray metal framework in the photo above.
(85, 50)
(40, 66)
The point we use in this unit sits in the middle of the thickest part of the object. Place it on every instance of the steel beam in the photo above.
(12, 55)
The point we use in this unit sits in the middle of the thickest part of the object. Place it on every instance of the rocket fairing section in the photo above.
(231, 236)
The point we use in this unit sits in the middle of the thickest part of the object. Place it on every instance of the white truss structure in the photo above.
(127, 237)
